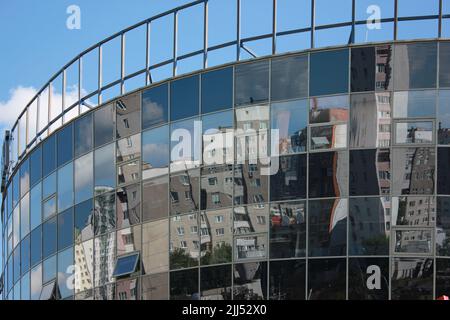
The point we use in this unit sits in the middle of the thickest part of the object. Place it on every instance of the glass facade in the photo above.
(319, 175)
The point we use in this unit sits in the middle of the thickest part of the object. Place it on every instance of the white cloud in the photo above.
(10, 109)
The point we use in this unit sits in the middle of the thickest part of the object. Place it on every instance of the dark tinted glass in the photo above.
(289, 78)
(84, 221)
(48, 271)
(415, 66)
(290, 180)
(326, 279)
(412, 279)
(251, 83)
(215, 283)
(327, 227)
(443, 118)
(415, 104)
(442, 277)
(184, 98)
(65, 145)
(444, 64)
(155, 287)
(128, 115)
(104, 213)
(443, 226)
(328, 174)
(363, 69)
(83, 138)
(369, 172)
(369, 226)
(49, 237)
(65, 229)
(36, 246)
(217, 90)
(211, 196)
(35, 166)
(155, 106)
(25, 254)
(328, 72)
(104, 169)
(250, 281)
(104, 125)
(155, 199)
(287, 280)
(49, 155)
(184, 285)
(128, 206)
(368, 279)
(443, 183)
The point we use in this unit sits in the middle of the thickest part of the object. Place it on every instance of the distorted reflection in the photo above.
(443, 226)
(185, 145)
(251, 83)
(104, 213)
(289, 78)
(328, 174)
(84, 266)
(250, 246)
(128, 209)
(216, 236)
(155, 198)
(129, 240)
(155, 252)
(215, 283)
(128, 290)
(412, 279)
(413, 241)
(250, 281)
(413, 211)
(104, 258)
(184, 192)
(184, 241)
(155, 152)
(287, 280)
(329, 109)
(155, 287)
(217, 144)
(128, 148)
(329, 137)
(415, 104)
(216, 187)
(106, 292)
(84, 221)
(184, 285)
(443, 118)
(128, 115)
(250, 186)
(128, 173)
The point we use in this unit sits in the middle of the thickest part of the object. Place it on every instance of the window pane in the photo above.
(126, 265)
(370, 123)
(413, 241)
(155, 287)
(49, 238)
(35, 166)
(250, 246)
(83, 135)
(329, 72)
(415, 104)
(251, 185)
(65, 229)
(24, 177)
(329, 137)
(184, 98)
(326, 279)
(368, 279)
(84, 178)
(128, 115)
(291, 120)
(216, 236)
(287, 280)
(155, 199)
(443, 171)
(129, 148)
(84, 266)
(49, 208)
(36, 246)
(25, 254)
(289, 182)
(128, 206)
(370, 172)
(25, 216)
(363, 69)
(184, 192)
(128, 173)
(251, 83)
(215, 283)
(217, 139)
(184, 285)
(443, 118)
(36, 282)
(443, 227)
(329, 109)
(413, 171)
(49, 269)
(155, 107)
(65, 187)
(129, 240)
(184, 245)
(444, 64)
(289, 78)
(65, 272)
(414, 132)
(155, 244)
(369, 226)
(185, 145)
(155, 152)
(250, 281)
(105, 262)
(105, 213)
(84, 221)
(49, 186)
(217, 90)
(328, 174)
(413, 211)
(128, 290)
(104, 169)
(105, 292)
(65, 145)
(216, 187)
(415, 66)
(288, 230)
(327, 227)
(104, 125)
(49, 155)
(409, 285)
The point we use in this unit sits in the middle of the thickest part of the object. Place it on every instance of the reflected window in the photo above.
(370, 120)
(155, 106)
(36, 166)
(49, 155)
(84, 266)
(216, 234)
(412, 279)
(104, 174)
(184, 242)
(289, 182)
(328, 174)
(329, 137)
(65, 187)
(155, 199)
(184, 98)
(217, 138)
(326, 279)
(413, 171)
(443, 227)
(289, 78)
(370, 172)
(250, 281)
(83, 135)
(444, 64)
(251, 83)
(105, 292)
(369, 226)
(415, 66)
(417, 211)
(184, 285)
(65, 229)
(65, 273)
(215, 283)
(288, 229)
(128, 206)
(128, 115)
(155, 287)
(155, 152)
(415, 104)
(155, 247)
(287, 280)
(327, 227)
(329, 72)
(250, 219)
(129, 240)
(128, 172)
(126, 265)
(185, 145)
(443, 118)
(84, 177)
(129, 148)
(414, 132)
(105, 262)
(184, 192)
(417, 241)
(84, 221)
(65, 145)
(104, 213)
(216, 187)
(250, 246)
(291, 120)
(368, 279)
(217, 90)
(104, 125)
(49, 242)
(128, 290)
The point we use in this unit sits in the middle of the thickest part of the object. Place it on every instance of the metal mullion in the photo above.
(63, 99)
(274, 27)
(175, 43)
(80, 84)
(205, 34)
(100, 77)
(440, 18)
(147, 54)
(313, 22)
(122, 63)
(352, 36)
(238, 30)
(395, 19)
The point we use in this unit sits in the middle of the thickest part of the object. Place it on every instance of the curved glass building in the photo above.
(318, 173)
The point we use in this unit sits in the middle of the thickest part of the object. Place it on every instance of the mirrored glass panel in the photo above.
(83, 135)
(104, 169)
(287, 280)
(84, 177)
(184, 285)
(49, 208)
(216, 187)
(415, 104)
(444, 64)
(412, 279)
(413, 170)
(414, 132)
(84, 266)
(155, 106)
(104, 213)
(250, 281)
(326, 279)
(368, 279)
(250, 247)
(128, 290)
(65, 229)
(84, 221)
(25, 254)
(49, 186)
(155, 287)
(129, 172)
(215, 283)
(363, 69)
(128, 206)
(216, 236)
(65, 187)
(105, 292)
(185, 145)
(49, 240)
(328, 174)
(155, 152)
(104, 121)
(155, 199)
(65, 145)
(129, 241)
(289, 182)
(417, 211)
(417, 241)
(443, 117)
(49, 155)
(128, 148)
(217, 138)
(24, 216)
(217, 90)
(184, 98)
(185, 192)
(251, 83)
(442, 273)
(104, 258)
(24, 177)
(443, 227)
(35, 246)
(329, 109)
(128, 115)
(155, 247)
(328, 137)
(65, 273)
(184, 241)
(36, 282)
(36, 166)
(289, 78)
